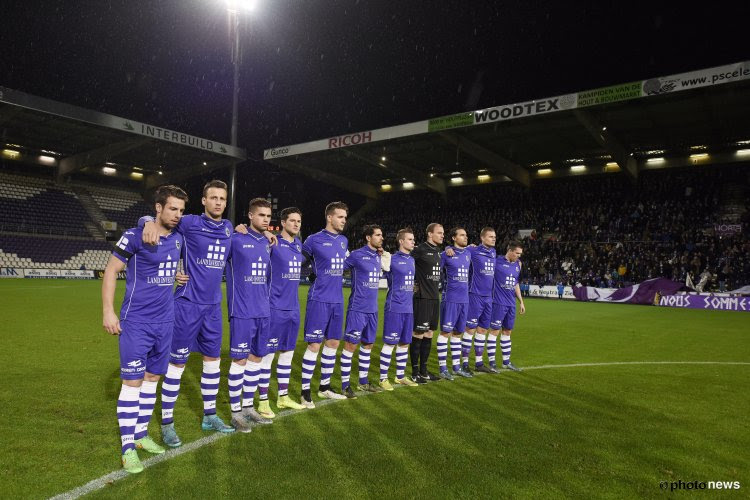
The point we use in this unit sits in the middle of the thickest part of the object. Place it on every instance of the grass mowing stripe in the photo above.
(456, 442)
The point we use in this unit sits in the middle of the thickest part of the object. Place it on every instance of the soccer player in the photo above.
(197, 325)
(251, 344)
(454, 304)
(286, 266)
(505, 292)
(146, 319)
(362, 312)
(327, 250)
(398, 318)
(481, 278)
(426, 302)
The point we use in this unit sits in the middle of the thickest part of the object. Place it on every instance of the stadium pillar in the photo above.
(234, 20)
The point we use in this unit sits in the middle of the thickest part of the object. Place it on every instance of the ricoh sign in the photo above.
(343, 141)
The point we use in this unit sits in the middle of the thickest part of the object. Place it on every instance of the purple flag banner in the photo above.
(642, 293)
(706, 302)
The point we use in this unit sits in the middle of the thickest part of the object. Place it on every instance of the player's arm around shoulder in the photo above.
(110, 321)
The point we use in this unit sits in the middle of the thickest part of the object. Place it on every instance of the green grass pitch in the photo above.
(592, 431)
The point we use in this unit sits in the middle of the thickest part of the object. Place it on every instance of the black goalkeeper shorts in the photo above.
(426, 315)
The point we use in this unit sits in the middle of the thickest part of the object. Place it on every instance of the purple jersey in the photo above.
(149, 277)
(328, 252)
(286, 265)
(365, 265)
(455, 276)
(248, 276)
(506, 277)
(400, 298)
(482, 271)
(203, 256)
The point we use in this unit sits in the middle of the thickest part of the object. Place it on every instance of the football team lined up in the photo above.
(468, 290)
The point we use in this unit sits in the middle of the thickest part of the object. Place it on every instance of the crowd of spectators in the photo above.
(601, 230)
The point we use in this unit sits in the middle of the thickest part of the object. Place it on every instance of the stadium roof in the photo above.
(699, 117)
(46, 132)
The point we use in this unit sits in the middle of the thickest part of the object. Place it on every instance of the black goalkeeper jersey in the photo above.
(427, 263)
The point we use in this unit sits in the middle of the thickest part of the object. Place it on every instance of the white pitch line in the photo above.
(103, 481)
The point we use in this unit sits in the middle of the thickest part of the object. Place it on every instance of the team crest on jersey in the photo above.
(268, 249)
(226, 231)
(342, 245)
(296, 246)
(177, 244)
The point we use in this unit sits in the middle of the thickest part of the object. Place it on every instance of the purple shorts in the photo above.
(285, 326)
(361, 327)
(323, 320)
(250, 336)
(397, 327)
(197, 328)
(453, 317)
(144, 347)
(480, 311)
(503, 317)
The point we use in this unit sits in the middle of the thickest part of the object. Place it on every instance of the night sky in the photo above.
(313, 69)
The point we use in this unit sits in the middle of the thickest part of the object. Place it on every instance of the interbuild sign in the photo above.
(706, 302)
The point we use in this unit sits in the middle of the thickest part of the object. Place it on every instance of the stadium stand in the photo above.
(33, 205)
(587, 229)
(118, 205)
(53, 253)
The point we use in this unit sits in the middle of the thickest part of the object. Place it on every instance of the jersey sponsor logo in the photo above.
(295, 269)
(165, 274)
(184, 350)
(327, 244)
(337, 266)
(242, 345)
(318, 332)
(135, 363)
(258, 272)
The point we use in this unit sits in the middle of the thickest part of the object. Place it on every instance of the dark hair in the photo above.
(164, 192)
(258, 202)
(369, 230)
(214, 184)
(331, 207)
(486, 230)
(455, 231)
(400, 236)
(289, 211)
(513, 244)
(431, 227)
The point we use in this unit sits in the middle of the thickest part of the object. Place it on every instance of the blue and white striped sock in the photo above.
(236, 374)
(327, 364)
(491, 347)
(283, 371)
(170, 390)
(210, 385)
(466, 347)
(456, 352)
(346, 368)
(265, 376)
(309, 360)
(479, 340)
(505, 347)
(402, 355)
(442, 352)
(385, 360)
(252, 373)
(146, 402)
(127, 415)
(364, 365)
